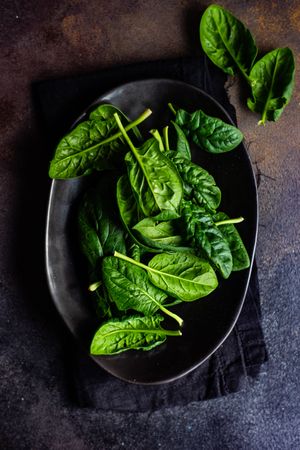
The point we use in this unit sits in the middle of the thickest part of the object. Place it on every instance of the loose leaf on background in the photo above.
(209, 133)
(226, 41)
(182, 275)
(154, 179)
(207, 237)
(129, 287)
(240, 258)
(99, 228)
(93, 144)
(198, 183)
(131, 333)
(272, 81)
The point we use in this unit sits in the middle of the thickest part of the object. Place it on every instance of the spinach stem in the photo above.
(132, 147)
(132, 261)
(145, 331)
(229, 221)
(172, 108)
(123, 132)
(171, 314)
(172, 332)
(166, 137)
(155, 133)
(94, 286)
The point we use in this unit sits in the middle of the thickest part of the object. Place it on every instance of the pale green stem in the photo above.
(94, 286)
(172, 108)
(166, 137)
(178, 319)
(146, 331)
(128, 259)
(128, 140)
(155, 133)
(123, 132)
(229, 221)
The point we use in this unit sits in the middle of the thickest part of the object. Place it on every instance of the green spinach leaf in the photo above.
(155, 133)
(226, 41)
(182, 275)
(131, 333)
(162, 235)
(129, 211)
(129, 287)
(206, 236)
(197, 183)
(93, 144)
(182, 144)
(134, 250)
(240, 258)
(209, 133)
(99, 228)
(102, 302)
(272, 81)
(154, 179)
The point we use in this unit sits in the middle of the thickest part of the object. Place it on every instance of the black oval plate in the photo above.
(207, 322)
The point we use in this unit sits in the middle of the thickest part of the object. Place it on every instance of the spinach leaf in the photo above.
(154, 179)
(99, 228)
(93, 144)
(131, 333)
(209, 133)
(182, 145)
(155, 133)
(197, 183)
(129, 287)
(129, 211)
(226, 41)
(206, 236)
(182, 275)
(102, 302)
(272, 81)
(135, 251)
(240, 258)
(126, 202)
(155, 234)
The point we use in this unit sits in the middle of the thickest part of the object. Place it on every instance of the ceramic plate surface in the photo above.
(207, 322)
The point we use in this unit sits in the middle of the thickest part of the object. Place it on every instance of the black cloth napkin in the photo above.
(239, 359)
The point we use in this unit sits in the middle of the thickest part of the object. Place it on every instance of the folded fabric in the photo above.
(243, 353)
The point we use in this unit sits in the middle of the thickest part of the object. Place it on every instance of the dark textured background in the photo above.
(43, 39)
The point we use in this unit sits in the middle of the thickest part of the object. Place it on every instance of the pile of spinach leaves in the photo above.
(231, 47)
(149, 228)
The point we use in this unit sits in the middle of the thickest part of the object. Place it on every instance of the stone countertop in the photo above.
(41, 40)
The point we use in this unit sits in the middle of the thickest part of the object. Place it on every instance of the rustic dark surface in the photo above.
(40, 40)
